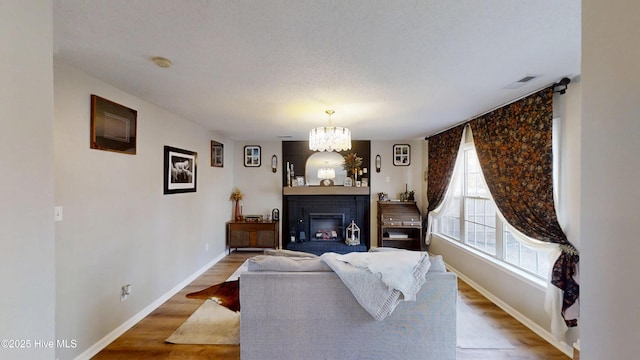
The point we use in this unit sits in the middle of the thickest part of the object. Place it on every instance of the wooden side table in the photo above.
(242, 234)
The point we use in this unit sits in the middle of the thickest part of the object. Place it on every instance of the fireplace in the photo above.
(326, 226)
(302, 204)
(317, 223)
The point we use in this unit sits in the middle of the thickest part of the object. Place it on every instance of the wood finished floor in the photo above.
(146, 339)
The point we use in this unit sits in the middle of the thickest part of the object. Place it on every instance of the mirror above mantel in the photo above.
(324, 161)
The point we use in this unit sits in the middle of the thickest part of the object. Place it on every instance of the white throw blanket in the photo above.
(380, 280)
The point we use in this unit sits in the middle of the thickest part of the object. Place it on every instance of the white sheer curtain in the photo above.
(450, 193)
(553, 295)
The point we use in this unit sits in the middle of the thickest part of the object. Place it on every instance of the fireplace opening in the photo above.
(326, 226)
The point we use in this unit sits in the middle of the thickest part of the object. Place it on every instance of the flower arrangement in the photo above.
(236, 195)
(351, 162)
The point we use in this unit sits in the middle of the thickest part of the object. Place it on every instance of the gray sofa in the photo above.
(313, 315)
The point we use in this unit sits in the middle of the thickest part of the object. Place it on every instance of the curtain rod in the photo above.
(562, 82)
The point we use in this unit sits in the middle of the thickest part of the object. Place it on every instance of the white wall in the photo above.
(27, 306)
(525, 299)
(398, 177)
(567, 109)
(610, 177)
(261, 187)
(118, 226)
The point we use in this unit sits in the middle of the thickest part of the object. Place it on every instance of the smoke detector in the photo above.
(161, 61)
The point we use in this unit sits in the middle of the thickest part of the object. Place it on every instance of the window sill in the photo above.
(524, 276)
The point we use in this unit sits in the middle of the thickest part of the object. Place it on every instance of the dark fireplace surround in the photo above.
(302, 213)
(322, 210)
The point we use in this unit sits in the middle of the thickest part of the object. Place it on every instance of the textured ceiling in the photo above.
(258, 70)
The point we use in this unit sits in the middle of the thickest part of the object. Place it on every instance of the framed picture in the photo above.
(252, 156)
(180, 170)
(217, 154)
(300, 180)
(113, 126)
(253, 218)
(348, 181)
(365, 182)
(401, 155)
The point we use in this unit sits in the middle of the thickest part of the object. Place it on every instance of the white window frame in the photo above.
(500, 225)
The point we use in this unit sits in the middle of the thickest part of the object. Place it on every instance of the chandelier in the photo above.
(330, 138)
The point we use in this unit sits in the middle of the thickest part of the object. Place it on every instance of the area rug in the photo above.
(211, 323)
(474, 333)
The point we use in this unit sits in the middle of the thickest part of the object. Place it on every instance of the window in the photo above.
(471, 201)
(521, 255)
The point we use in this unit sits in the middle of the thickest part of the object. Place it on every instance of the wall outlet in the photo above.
(57, 213)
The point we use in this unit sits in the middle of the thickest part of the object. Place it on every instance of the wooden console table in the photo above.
(252, 234)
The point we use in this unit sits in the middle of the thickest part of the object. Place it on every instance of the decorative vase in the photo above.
(238, 212)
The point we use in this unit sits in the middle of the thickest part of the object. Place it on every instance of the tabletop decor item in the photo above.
(352, 165)
(353, 234)
(236, 196)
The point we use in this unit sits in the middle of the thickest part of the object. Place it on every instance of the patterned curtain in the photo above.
(443, 150)
(513, 144)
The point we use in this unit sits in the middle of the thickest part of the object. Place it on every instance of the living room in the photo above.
(65, 277)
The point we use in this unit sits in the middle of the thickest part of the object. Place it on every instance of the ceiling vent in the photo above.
(521, 82)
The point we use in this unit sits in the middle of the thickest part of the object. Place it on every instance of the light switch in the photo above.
(58, 213)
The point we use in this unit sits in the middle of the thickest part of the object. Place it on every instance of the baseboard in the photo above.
(117, 332)
(540, 331)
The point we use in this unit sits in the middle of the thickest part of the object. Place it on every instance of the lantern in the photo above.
(353, 234)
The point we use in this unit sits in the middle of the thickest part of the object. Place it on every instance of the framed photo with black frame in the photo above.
(252, 156)
(401, 155)
(113, 126)
(180, 170)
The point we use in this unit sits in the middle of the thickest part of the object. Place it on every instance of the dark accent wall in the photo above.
(297, 152)
(297, 207)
